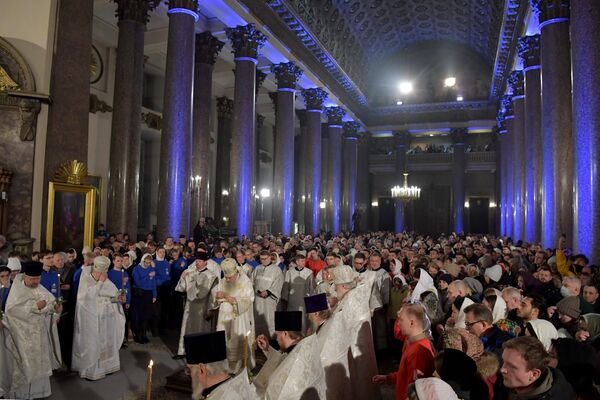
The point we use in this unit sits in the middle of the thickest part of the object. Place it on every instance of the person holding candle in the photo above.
(144, 296)
(120, 278)
(66, 322)
(99, 323)
(30, 317)
(268, 282)
(234, 298)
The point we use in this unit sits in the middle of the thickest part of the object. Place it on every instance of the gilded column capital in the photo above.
(301, 114)
(335, 115)
(515, 81)
(529, 51)
(224, 107)
(314, 98)
(458, 135)
(135, 10)
(287, 75)
(507, 106)
(207, 48)
(402, 138)
(245, 40)
(549, 11)
(351, 130)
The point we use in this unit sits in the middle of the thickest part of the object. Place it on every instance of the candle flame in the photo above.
(150, 364)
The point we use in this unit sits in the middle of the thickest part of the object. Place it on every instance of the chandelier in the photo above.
(406, 193)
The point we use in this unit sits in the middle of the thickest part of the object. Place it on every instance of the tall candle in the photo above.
(58, 296)
(246, 349)
(149, 381)
(122, 279)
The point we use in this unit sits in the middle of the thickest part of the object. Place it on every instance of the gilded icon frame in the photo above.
(64, 222)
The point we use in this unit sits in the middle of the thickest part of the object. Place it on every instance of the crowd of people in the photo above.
(465, 317)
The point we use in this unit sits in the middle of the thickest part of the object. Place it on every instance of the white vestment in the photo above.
(270, 279)
(6, 361)
(99, 328)
(300, 375)
(33, 340)
(237, 388)
(198, 286)
(213, 267)
(237, 320)
(334, 345)
(296, 286)
(247, 270)
(355, 311)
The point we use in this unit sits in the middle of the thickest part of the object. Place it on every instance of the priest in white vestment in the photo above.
(299, 282)
(99, 323)
(206, 359)
(353, 307)
(30, 317)
(300, 374)
(197, 282)
(268, 282)
(235, 298)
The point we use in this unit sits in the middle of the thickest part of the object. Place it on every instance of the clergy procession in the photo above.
(354, 316)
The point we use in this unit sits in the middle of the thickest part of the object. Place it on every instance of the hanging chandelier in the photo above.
(406, 193)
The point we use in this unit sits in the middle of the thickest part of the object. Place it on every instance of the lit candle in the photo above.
(246, 349)
(149, 381)
(58, 296)
(122, 279)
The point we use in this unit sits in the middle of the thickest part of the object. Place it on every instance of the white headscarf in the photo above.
(499, 311)
(147, 255)
(14, 264)
(434, 389)
(494, 272)
(425, 283)
(545, 331)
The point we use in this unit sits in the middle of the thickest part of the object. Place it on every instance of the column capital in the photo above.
(260, 78)
(207, 48)
(301, 114)
(287, 75)
(507, 105)
(351, 130)
(515, 81)
(459, 135)
(314, 98)
(135, 10)
(501, 122)
(402, 138)
(246, 40)
(549, 11)
(529, 51)
(224, 107)
(335, 115)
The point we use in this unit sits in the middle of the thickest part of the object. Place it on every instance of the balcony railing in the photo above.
(477, 161)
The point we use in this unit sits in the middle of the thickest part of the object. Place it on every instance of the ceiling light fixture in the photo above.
(399, 103)
(450, 82)
(459, 98)
(405, 87)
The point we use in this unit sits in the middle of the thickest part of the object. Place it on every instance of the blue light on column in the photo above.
(243, 200)
(548, 224)
(288, 180)
(584, 202)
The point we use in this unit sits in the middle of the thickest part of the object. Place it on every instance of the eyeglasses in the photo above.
(470, 324)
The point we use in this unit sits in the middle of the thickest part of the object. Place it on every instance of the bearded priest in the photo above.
(99, 323)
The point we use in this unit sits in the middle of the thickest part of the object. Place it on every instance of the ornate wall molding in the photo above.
(97, 105)
(152, 120)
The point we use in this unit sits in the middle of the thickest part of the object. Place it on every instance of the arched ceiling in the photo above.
(360, 33)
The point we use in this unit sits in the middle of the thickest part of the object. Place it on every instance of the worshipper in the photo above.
(314, 262)
(6, 366)
(4, 286)
(99, 323)
(206, 359)
(590, 303)
(300, 374)
(565, 315)
(214, 263)
(543, 330)
(268, 282)
(381, 293)
(526, 372)
(492, 299)
(588, 329)
(460, 372)
(426, 293)
(66, 321)
(479, 321)
(197, 282)
(163, 290)
(234, 296)
(243, 266)
(49, 278)
(457, 318)
(512, 297)
(417, 353)
(577, 361)
(120, 278)
(30, 319)
(14, 265)
(531, 308)
(325, 285)
(144, 296)
(356, 315)
(298, 283)
(430, 389)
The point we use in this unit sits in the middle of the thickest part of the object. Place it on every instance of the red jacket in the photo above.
(315, 265)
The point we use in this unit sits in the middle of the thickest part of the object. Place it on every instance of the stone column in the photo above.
(302, 168)
(173, 216)
(363, 184)
(459, 135)
(68, 116)
(529, 51)
(207, 49)
(334, 167)
(557, 138)
(401, 139)
(287, 75)
(314, 104)
(125, 138)
(501, 167)
(257, 201)
(585, 56)
(324, 203)
(351, 137)
(245, 40)
(509, 118)
(224, 116)
(515, 81)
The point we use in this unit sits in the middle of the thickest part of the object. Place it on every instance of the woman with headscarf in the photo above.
(457, 319)
(426, 293)
(588, 328)
(543, 330)
(492, 299)
(430, 389)
(144, 296)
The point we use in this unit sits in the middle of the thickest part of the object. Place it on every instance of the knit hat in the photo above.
(569, 306)
(446, 278)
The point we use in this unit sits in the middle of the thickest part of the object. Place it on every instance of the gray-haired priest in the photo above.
(30, 319)
(99, 323)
